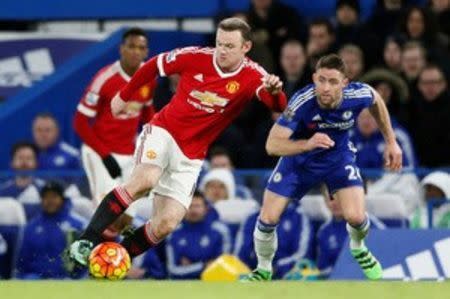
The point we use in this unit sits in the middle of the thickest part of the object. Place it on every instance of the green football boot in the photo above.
(369, 264)
(256, 275)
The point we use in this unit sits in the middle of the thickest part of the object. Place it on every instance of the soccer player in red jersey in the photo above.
(109, 141)
(215, 86)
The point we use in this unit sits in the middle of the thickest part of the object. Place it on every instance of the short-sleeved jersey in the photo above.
(117, 133)
(207, 100)
(305, 117)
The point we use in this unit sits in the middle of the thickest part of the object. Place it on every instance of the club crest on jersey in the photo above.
(347, 115)
(210, 99)
(232, 87)
(144, 91)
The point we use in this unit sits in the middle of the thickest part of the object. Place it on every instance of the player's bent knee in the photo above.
(269, 217)
(355, 219)
(165, 226)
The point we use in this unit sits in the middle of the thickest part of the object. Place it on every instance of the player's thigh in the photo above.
(100, 182)
(143, 178)
(273, 206)
(352, 204)
(167, 214)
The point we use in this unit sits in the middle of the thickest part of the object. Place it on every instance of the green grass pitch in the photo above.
(204, 290)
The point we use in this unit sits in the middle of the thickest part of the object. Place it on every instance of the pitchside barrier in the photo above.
(405, 255)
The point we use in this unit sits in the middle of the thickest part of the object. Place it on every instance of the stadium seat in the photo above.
(389, 208)
(12, 220)
(83, 207)
(315, 207)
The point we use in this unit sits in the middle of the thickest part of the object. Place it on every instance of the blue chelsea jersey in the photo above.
(305, 117)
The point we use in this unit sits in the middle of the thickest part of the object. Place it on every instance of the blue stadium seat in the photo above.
(12, 220)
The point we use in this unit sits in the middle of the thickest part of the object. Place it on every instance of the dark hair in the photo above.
(23, 144)
(52, 187)
(45, 115)
(134, 31)
(354, 4)
(219, 151)
(323, 22)
(430, 23)
(236, 24)
(332, 61)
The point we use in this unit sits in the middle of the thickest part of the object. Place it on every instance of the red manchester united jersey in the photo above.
(207, 100)
(116, 134)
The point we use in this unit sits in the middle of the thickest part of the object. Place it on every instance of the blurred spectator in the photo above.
(385, 17)
(349, 30)
(370, 144)
(441, 9)
(219, 188)
(393, 90)
(332, 234)
(220, 158)
(436, 186)
(294, 71)
(321, 40)
(196, 242)
(23, 187)
(353, 58)
(413, 61)
(419, 24)
(3, 252)
(294, 232)
(273, 23)
(47, 235)
(148, 265)
(53, 154)
(392, 54)
(431, 118)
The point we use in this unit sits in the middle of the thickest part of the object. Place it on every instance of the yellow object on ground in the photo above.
(225, 268)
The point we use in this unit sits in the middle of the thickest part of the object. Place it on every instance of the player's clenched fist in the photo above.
(117, 105)
(272, 84)
(319, 140)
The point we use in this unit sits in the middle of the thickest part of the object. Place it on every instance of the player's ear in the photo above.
(247, 46)
(314, 77)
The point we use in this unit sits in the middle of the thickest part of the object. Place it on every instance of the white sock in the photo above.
(266, 244)
(358, 234)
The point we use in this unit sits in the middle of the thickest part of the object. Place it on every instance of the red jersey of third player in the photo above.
(207, 100)
(115, 134)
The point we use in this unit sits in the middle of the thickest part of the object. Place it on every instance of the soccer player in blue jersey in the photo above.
(312, 139)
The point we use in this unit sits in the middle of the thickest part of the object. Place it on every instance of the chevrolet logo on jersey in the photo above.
(210, 99)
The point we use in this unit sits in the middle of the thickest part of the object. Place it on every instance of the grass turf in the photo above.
(203, 290)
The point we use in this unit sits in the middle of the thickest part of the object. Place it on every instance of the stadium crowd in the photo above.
(402, 51)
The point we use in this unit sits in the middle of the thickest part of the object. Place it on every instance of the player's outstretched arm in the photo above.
(279, 142)
(145, 74)
(272, 94)
(392, 153)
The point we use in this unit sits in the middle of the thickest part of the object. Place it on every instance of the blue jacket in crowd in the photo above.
(60, 156)
(370, 149)
(44, 240)
(331, 238)
(295, 237)
(192, 245)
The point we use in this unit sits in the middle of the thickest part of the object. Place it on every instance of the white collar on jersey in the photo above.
(221, 73)
(122, 72)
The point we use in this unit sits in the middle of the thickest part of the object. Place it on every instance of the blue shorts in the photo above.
(291, 180)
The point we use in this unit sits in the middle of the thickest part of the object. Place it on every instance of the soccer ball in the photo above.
(109, 260)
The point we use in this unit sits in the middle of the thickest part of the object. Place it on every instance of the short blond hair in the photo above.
(236, 24)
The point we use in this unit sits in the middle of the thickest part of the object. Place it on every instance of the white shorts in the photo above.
(156, 146)
(100, 182)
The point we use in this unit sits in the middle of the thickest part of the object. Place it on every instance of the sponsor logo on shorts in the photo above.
(151, 154)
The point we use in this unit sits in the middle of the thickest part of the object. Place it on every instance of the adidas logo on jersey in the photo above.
(317, 118)
(199, 77)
